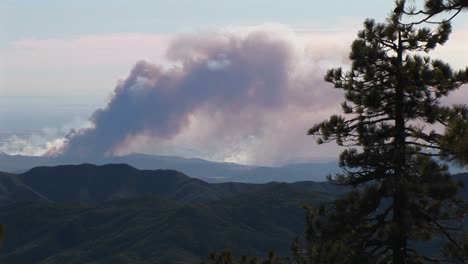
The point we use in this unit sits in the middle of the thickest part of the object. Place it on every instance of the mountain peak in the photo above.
(83, 166)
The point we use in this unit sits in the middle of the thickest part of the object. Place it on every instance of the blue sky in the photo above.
(56, 19)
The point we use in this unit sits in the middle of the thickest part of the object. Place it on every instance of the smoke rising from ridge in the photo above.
(240, 96)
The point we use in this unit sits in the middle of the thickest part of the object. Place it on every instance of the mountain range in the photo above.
(208, 171)
(116, 213)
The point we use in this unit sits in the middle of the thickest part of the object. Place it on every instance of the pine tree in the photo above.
(431, 9)
(402, 196)
(454, 142)
(455, 138)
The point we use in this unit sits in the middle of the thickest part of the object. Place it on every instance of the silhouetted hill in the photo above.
(87, 183)
(208, 171)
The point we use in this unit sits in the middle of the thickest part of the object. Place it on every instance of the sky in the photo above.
(46, 35)
(60, 61)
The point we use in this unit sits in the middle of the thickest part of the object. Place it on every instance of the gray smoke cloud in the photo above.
(239, 96)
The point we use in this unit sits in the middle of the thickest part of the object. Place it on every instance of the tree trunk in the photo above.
(399, 239)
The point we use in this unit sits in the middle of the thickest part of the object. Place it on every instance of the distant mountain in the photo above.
(198, 168)
(87, 183)
(90, 183)
(118, 214)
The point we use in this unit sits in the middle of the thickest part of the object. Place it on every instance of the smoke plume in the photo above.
(246, 96)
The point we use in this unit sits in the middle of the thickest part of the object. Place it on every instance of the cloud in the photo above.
(23, 144)
(245, 95)
(37, 143)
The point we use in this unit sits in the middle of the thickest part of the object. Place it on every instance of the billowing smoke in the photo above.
(240, 96)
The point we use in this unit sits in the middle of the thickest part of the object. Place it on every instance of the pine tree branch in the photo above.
(431, 146)
(440, 228)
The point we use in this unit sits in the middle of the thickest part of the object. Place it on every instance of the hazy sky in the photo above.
(60, 60)
(41, 39)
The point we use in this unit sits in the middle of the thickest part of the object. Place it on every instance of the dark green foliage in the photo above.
(404, 197)
(458, 252)
(226, 257)
(454, 142)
